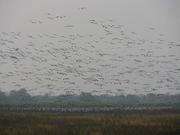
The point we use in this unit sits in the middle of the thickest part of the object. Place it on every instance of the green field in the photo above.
(12, 123)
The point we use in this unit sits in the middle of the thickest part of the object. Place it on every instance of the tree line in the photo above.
(23, 98)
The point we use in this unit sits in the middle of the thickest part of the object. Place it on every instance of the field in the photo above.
(28, 123)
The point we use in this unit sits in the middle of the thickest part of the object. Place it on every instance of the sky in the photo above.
(98, 46)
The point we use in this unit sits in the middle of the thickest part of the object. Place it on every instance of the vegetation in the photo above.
(89, 124)
(21, 97)
(148, 122)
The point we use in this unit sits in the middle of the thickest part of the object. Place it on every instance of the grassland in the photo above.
(12, 123)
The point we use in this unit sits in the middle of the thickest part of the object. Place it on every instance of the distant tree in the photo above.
(2, 97)
(2, 94)
(19, 97)
(132, 99)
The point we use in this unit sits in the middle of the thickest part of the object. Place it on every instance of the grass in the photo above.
(12, 123)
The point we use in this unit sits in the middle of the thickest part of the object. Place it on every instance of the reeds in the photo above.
(89, 124)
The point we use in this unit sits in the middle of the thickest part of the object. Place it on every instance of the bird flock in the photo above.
(113, 61)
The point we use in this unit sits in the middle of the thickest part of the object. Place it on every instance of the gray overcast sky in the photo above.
(149, 25)
(162, 14)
